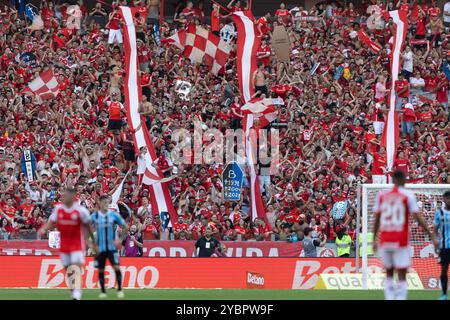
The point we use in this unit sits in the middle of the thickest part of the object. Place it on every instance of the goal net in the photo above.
(424, 262)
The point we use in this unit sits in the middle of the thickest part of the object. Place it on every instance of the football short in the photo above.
(379, 179)
(444, 257)
(115, 35)
(72, 258)
(397, 258)
(129, 154)
(115, 124)
(262, 90)
(112, 256)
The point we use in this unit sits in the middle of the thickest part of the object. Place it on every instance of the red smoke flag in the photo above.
(201, 46)
(45, 86)
(364, 38)
(391, 133)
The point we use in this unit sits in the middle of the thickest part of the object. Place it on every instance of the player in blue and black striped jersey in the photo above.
(442, 229)
(105, 222)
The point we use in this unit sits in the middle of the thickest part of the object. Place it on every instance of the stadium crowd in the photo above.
(335, 91)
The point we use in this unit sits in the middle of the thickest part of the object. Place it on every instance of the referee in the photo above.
(206, 246)
(442, 229)
(106, 244)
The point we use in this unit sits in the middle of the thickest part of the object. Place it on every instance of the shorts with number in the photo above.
(115, 35)
(112, 256)
(70, 258)
(398, 258)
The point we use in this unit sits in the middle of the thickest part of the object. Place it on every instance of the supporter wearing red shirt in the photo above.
(404, 6)
(442, 89)
(431, 83)
(426, 113)
(401, 163)
(262, 230)
(421, 25)
(236, 5)
(242, 231)
(199, 14)
(188, 13)
(215, 20)
(261, 25)
(379, 166)
(150, 230)
(115, 109)
(9, 209)
(371, 141)
(27, 207)
(180, 226)
(281, 90)
(263, 54)
(401, 90)
(408, 117)
(433, 11)
(284, 14)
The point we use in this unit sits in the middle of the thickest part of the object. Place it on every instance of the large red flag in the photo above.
(246, 48)
(159, 192)
(391, 133)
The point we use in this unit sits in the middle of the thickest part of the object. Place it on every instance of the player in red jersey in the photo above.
(392, 210)
(72, 221)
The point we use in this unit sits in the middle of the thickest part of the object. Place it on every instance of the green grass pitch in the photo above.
(182, 294)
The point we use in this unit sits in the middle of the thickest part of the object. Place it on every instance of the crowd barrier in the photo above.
(200, 273)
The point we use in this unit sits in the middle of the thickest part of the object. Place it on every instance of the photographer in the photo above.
(207, 245)
(133, 243)
(310, 245)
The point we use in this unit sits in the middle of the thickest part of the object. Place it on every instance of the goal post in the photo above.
(429, 199)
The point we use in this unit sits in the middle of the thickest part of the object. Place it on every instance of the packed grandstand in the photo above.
(334, 87)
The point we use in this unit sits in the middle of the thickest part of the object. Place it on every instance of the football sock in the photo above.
(101, 279)
(119, 279)
(389, 289)
(77, 294)
(402, 290)
(444, 282)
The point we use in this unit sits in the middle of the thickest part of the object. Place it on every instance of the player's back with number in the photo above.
(71, 223)
(394, 208)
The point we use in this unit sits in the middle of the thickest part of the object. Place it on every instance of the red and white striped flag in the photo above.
(45, 86)
(263, 109)
(257, 209)
(159, 192)
(246, 47)
(201, 46)
(391, 133)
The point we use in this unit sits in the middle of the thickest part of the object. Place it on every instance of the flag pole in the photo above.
(221, 6)
(161, 13)
(108, 4)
